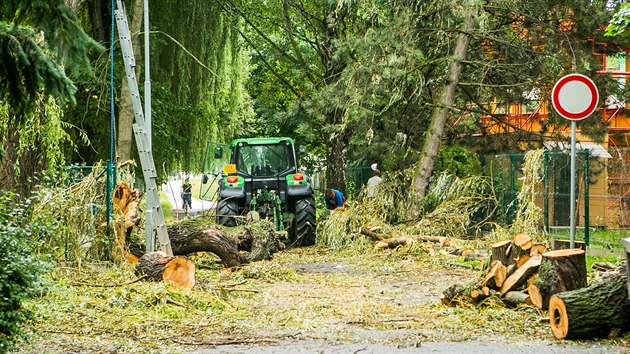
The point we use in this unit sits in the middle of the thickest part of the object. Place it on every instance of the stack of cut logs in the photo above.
(524, 273)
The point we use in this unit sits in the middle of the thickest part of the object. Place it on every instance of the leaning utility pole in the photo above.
(156, 216)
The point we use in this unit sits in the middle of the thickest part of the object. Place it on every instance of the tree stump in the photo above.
(561, 270)
(521, 246)
(565, 244)
(501, 252)
(157, 266)
(591, 312)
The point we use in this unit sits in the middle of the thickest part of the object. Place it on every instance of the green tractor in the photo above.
(261, 181)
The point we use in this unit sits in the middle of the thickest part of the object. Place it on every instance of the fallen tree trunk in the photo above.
(591, 312)
(202, 235)
(157, 266)
(560, 270)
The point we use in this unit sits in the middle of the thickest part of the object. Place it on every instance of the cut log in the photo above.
(534, 295)
(157, 266)
(519, 261)
(564, 244)
(591, 312)
(520, 276)
(501, 252)
(509, 270)
(516, 298)
(521, 245)
(537, 248)
(394, 242)
(370, 232)
(495, 277)
(485, 290)
(561, 270)
(441, 240)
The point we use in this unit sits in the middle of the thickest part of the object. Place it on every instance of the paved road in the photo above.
(173, 188)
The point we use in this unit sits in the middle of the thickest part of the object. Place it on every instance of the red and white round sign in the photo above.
(574, 97)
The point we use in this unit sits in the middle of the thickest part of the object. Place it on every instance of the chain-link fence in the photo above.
(602, 190)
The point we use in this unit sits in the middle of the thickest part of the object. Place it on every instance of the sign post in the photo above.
(574, 97)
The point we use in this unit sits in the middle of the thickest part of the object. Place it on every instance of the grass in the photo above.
(357, 293)
(601, 238)
(167, 208)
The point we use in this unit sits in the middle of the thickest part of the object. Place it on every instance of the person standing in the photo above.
(334, 199)
(187, 194)
(372, 184)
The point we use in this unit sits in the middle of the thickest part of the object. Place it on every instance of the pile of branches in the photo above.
(447, 210)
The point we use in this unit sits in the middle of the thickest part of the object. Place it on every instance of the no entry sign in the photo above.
(574, 97)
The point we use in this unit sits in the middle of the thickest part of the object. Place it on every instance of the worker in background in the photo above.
(334, 199)
(373, 182)
(187, 193)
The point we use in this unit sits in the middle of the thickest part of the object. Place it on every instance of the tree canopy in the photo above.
(354, 82)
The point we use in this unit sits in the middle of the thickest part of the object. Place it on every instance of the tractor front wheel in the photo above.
(305, 223)
(226, 211)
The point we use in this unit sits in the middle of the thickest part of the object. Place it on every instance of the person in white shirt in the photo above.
(372, 184)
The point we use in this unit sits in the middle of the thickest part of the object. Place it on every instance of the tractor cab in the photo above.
(261, 181)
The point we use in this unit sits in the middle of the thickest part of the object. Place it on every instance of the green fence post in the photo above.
(586, 196)
(547, 160)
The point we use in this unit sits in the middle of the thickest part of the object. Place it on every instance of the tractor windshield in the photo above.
(263, 160)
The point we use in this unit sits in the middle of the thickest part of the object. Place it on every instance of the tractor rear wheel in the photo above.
(305, 223)
(226, 211)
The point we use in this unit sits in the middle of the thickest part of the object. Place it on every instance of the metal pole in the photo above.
(546, 201)
(572, 200)
(587, 185)
(149, 244)
(111, 176)
(147, 72)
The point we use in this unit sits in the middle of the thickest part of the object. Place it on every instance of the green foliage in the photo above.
(458, 161)
(39, 40)
(20, 271)
(620, 22)
(75, 210)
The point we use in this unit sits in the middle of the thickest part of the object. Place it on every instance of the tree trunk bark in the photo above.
(561, 270)
(501, 252)
(126, 114)
(336, 161)
(440, 114)
(201, 235)
(96, 18)
(591, 312)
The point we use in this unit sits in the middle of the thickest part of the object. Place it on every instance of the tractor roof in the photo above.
(261, 141)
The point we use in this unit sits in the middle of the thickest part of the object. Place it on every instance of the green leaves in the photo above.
(620, 22)
(19, 274)
(39, 40)
(27, 69)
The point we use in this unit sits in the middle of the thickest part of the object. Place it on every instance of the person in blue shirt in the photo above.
(334, 199)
